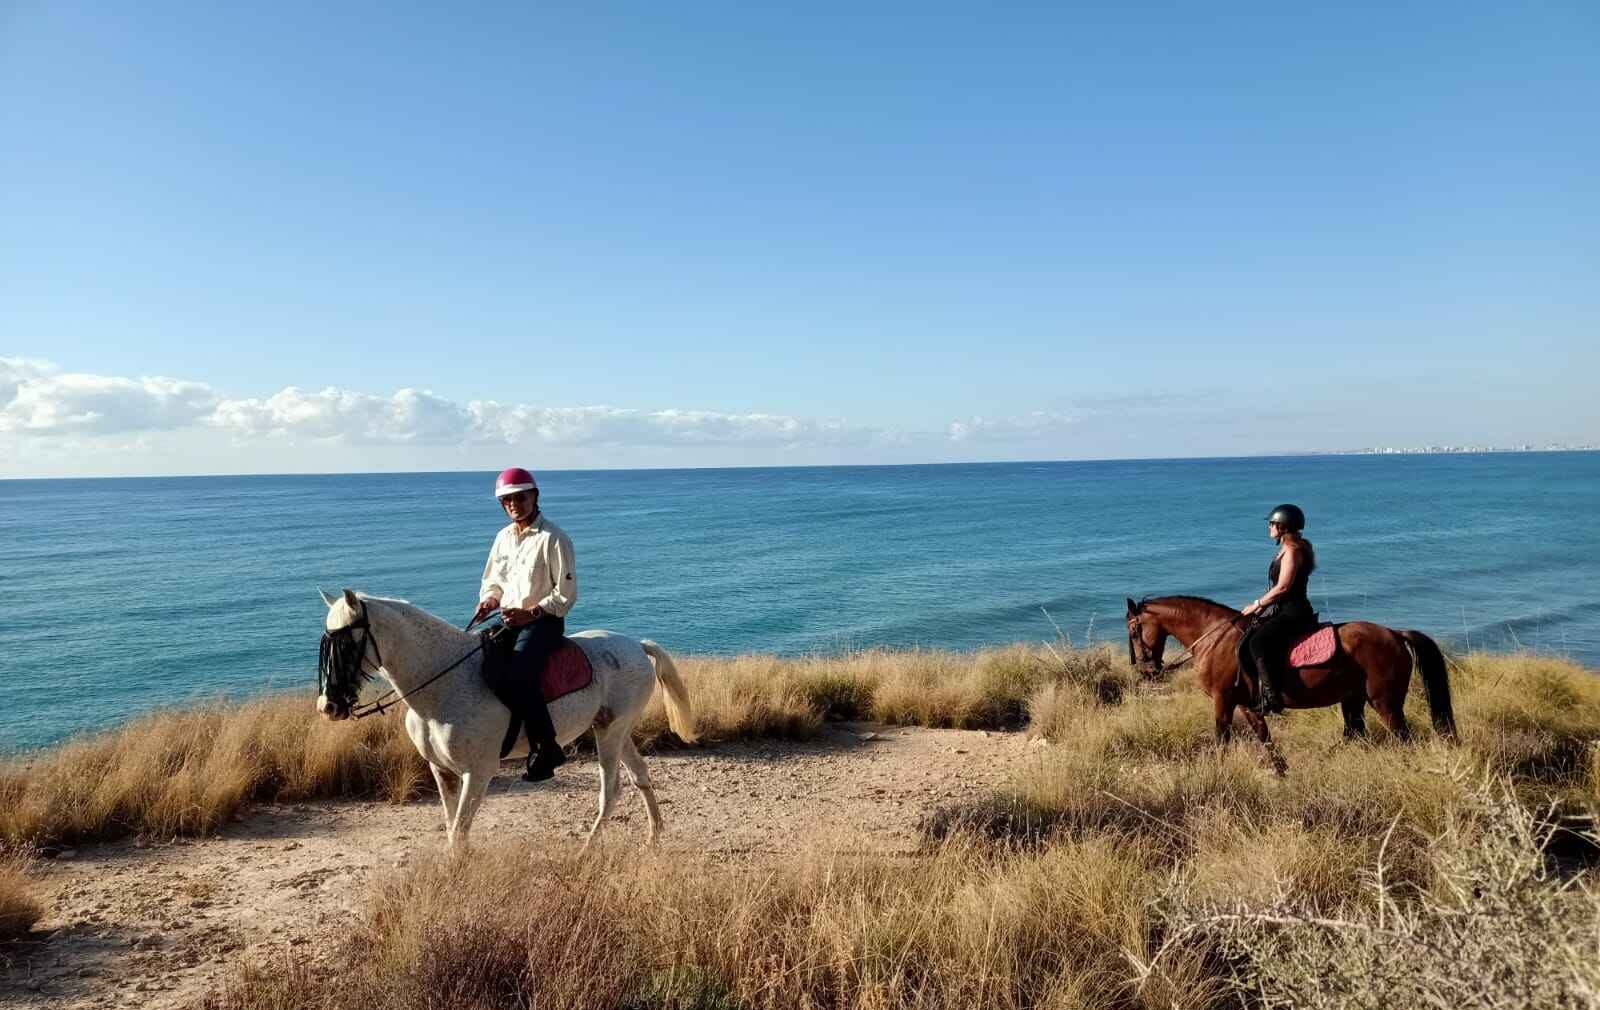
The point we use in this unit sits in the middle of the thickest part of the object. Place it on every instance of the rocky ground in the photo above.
(158, 924)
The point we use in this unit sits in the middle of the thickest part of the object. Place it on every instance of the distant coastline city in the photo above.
(1405, 450)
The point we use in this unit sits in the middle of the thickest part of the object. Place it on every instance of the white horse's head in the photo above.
(341, 667)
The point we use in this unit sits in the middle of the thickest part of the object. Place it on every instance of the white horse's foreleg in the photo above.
(449, 787)
(473, 787)
(641, 781)
(608, 743)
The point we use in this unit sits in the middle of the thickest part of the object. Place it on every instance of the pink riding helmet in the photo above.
(513, 480)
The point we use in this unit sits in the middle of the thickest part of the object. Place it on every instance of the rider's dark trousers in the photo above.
(535, 642)
(1266, 645)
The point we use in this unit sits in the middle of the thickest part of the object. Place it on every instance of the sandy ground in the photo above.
(133, 924)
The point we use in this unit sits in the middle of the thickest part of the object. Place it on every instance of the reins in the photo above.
(380, 704)
(1188, 653)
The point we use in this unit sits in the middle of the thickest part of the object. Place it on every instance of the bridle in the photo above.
(339, 656)
(1157, 663)
(338, 648)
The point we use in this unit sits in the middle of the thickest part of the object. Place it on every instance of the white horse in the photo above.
(458, 724)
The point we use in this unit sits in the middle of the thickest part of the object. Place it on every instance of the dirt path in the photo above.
(158, 926)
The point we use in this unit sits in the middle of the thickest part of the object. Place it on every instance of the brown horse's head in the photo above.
(1147, 640)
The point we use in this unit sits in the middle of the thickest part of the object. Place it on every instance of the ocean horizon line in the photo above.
(1303, 454)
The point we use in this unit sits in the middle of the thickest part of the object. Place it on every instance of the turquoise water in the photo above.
(117, 596)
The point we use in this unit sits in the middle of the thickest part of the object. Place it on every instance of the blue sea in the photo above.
(118, 596)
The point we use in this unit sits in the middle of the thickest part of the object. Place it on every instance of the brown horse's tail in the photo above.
(1436, 679)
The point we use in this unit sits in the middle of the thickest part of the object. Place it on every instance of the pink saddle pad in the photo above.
(568, 670)
(1315, 648)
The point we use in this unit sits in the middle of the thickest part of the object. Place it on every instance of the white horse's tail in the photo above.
(680, 716)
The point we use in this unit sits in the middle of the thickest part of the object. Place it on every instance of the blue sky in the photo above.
(709, 234)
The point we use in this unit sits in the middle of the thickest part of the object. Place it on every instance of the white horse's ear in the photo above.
(350, 599)
(326, 599)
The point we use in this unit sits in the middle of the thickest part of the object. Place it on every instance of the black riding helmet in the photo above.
(1290, 517)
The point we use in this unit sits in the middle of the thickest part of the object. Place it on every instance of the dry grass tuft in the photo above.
(1500, 930)
(970, 928)
(1533, 718)
(188, 772)
(19, 909)
(765, 697)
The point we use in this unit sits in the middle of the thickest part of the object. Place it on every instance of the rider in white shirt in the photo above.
(532, 580)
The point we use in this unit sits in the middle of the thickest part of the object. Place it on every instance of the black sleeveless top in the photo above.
(1299, 592)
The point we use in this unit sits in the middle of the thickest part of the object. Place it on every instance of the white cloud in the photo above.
(1036, 424)
(38, 400)
(597, 426)
(410, 415)
(42, 406)
(35, 399)
(14, 371)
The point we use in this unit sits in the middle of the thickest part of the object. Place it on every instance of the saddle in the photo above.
(567, 670)
(1315, 647)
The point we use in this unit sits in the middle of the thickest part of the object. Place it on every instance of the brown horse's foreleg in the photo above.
(1259, 724)
(1222, 704)
(1355, 717)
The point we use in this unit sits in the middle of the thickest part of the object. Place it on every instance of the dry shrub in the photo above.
(1057, 709)
(1209, 808)
(1083, 682)
(1234, 860)
(743, 697)
(188, 772)
(1533, 718)
(19, 909)
(1180, 726)
(1500, 930)
(970, 928)
(758, 696)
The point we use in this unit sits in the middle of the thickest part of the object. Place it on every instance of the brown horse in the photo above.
(1372, 664)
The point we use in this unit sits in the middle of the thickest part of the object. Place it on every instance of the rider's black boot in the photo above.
(544, 760)
(1268, 700)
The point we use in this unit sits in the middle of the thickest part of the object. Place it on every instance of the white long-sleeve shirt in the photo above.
(532, 568)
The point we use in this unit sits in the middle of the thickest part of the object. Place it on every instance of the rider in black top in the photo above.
(1283, 613)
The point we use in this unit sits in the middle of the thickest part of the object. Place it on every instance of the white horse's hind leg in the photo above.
(448, 797)
(608, 743)
(473, 787)
(641, 781)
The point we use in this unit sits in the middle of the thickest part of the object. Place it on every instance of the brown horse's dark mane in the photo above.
(1181, 598)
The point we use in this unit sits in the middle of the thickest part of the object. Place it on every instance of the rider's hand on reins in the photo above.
(516, 617)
